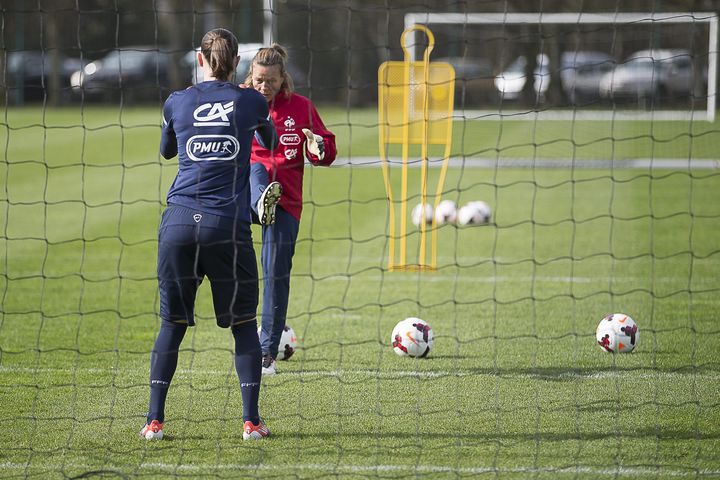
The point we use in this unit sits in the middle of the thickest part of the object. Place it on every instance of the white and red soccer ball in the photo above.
(288, 343)
(446, 212)
(474, 213)
(617, 333)
(412, 337)
(422, 213)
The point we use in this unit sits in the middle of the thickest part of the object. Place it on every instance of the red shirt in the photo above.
(290, 114)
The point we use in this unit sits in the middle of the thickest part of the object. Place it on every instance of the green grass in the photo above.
(515, 386)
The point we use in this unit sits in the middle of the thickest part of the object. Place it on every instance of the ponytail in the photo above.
(219, 47)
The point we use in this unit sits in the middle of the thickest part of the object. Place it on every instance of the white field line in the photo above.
(628, 471)
(463, 277)
(564, 163)
(182, 373)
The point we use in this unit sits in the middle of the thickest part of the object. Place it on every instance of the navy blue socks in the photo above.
(163, 363)
(248, 364)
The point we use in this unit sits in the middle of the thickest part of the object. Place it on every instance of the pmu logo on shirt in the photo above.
(207, 114)
(290, 139)
(212, 147)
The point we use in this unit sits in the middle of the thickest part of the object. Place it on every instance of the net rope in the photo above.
(602, 204)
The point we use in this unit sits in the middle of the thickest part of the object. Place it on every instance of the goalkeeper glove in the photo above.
(315, 144)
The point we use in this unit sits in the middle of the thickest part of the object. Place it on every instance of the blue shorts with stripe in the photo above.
(193, 245)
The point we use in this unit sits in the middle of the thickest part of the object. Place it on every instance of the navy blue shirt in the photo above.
(210, 127)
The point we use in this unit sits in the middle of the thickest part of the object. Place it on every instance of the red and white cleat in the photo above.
(152, 431)
(255, 432)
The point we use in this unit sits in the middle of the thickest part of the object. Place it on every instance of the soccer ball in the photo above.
(423, 212)
(288, 343)
(474, 213)
(446, 212)
(617, 333)
(412, 337)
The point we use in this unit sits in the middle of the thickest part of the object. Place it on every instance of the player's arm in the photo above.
(320, 146)
(266, 135)
(168, 140)
(265, 132)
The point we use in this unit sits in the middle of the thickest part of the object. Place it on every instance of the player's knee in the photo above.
(178, 322)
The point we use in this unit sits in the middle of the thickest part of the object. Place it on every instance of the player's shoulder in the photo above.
(247, 96)
(250, 93)
(178, 95)
(173, 96)
(170, 102)
(298, 100)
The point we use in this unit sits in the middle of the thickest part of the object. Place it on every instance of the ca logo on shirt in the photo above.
(213, 114)
(212, 147)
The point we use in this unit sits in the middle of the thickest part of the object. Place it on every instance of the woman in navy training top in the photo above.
(205, 230)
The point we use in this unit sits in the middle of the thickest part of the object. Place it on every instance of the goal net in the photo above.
(583, 179)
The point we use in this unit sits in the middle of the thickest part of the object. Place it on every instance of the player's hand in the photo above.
(315, 143)
(242, 85)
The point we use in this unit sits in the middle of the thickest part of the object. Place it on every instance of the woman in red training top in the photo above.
(276, 184)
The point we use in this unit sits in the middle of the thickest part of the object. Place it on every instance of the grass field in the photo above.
(515, 386)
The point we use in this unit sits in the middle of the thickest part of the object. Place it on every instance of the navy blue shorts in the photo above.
(192, 245)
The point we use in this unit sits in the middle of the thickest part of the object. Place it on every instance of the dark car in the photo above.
(29, 73)
(474, 81)
(133, 73)
(581, 74)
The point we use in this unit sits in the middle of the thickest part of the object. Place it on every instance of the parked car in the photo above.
(474, 80)
(648, 73)
(581, 73)
(28, 73)
(511, 81)
(138, 73)
(246, 51)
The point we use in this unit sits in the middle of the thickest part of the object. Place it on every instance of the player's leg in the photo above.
(247, 365)
(278, 248)
(163, 363)
(178, 280)
(228, 258)
(264, 195)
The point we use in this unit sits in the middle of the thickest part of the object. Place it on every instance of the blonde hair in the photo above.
(267, 57)
(219, 47)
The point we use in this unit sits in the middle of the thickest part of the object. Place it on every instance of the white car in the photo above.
(648, 72)
(580, 75)
(510, 83)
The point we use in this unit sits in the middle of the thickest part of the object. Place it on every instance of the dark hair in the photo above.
(267, 57)
(219, 48)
